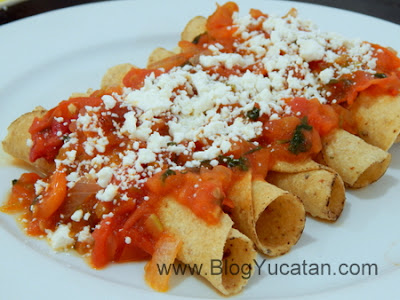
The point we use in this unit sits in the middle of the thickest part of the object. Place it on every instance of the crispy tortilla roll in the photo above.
(212, 246)
(377, 119)
(357, 162)
(279, 217)
(158, 54)
(16, 145)
(288, 167)
(114, 75)
(321, 190)
(272, 218)
(194, 28)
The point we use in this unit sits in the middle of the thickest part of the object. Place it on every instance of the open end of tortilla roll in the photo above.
(193, 28)
(236, 259)
(272, 218)
(114, 75)
(16, 145)
(208, 245)
(373, 173)
(322, 190)
(158, 54)
(377, 119)
(357, 162)
(278, 226)
(337, 199)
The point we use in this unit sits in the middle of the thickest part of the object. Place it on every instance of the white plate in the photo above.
(46, 57)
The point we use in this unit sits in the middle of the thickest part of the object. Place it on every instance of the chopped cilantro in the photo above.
(298, 143)
(166, 174)
(206, 164)
(35, 200)
(14, 181)
(197, 39)
(333, 81)
(380, 75)
(280, 142)
(253, 114)
(345, 81)
(171, 144)
(240, 162)
(253, 150)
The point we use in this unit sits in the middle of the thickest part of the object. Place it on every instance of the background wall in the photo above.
(384, 9)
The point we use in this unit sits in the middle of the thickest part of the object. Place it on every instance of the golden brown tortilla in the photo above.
(209, 245)
(158, 54)
(272, 218)
(114, 75)
(16, 143)
(193, 28)
(377, 119)
(321, 190)
(357, 162)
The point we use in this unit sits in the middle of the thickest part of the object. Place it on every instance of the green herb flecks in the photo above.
(333, 81)
(240, 162)
(14, 181)
(197, 38)
(345, 82)
(253, 150)
(380, 75)
(36, 200)
(171, 144)
(166, 174)
(253, 114)
(280, 142)
(298, 142)
(206, 164)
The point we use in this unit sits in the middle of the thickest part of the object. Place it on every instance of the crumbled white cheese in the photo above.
(104, 176)
(29, 142)
(60, 239)
(107, 194)
(77, 215)
(109, 215)
(109, 101)
(130, 123)
(326, 75)
(40, 186)
(71, 155)
(146, 156)
(84, 236)
(310, 50)
(59, 119)
(72, 178)
(228, 60)
(86, 216)
(209, 109)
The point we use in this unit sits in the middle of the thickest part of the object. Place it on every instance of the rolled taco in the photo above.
(377, 119)
(209, 246)
(320, 188)
(272, 218)
(357, 162)
(18, 141)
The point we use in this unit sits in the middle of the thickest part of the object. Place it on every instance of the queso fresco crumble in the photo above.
(206, 112)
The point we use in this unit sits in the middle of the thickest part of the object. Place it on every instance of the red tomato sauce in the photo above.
(131, 228)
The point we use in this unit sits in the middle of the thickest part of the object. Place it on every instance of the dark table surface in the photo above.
(384, 9)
